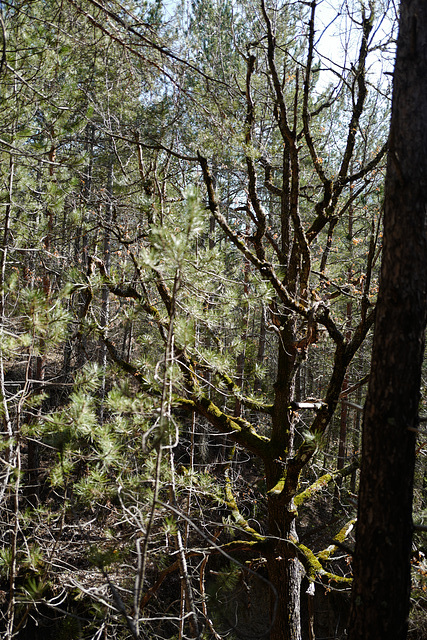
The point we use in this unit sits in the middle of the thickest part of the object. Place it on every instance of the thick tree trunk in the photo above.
(380, 601)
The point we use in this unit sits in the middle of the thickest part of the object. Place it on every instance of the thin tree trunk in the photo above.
(105, 304)
(6, 418)
(342, 442)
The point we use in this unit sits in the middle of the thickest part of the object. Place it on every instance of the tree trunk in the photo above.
(380, 600)
(105, 305)
(261, 350)
(342, 441)
(285, 573)
(284, 570)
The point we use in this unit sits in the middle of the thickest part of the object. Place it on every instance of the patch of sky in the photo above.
(338, 27)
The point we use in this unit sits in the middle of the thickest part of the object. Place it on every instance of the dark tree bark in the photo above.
(380, 601)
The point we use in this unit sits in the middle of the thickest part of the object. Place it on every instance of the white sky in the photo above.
(338, 37)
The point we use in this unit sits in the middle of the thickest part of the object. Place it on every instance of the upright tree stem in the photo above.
(380, 601)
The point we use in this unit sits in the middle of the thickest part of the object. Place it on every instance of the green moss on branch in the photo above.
(232, 505)
(314, 568)
(340, 538)
(323, 481)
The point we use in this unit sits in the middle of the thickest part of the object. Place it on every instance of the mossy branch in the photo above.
(251, 403)
(240, 431)
(323, 481)
(339, 538)
(314, 568)
(279, 486)
(232, 505)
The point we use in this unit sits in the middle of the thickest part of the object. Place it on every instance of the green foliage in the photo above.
(34, 590)
(5, 561)
(126, 305)
(226, 580)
